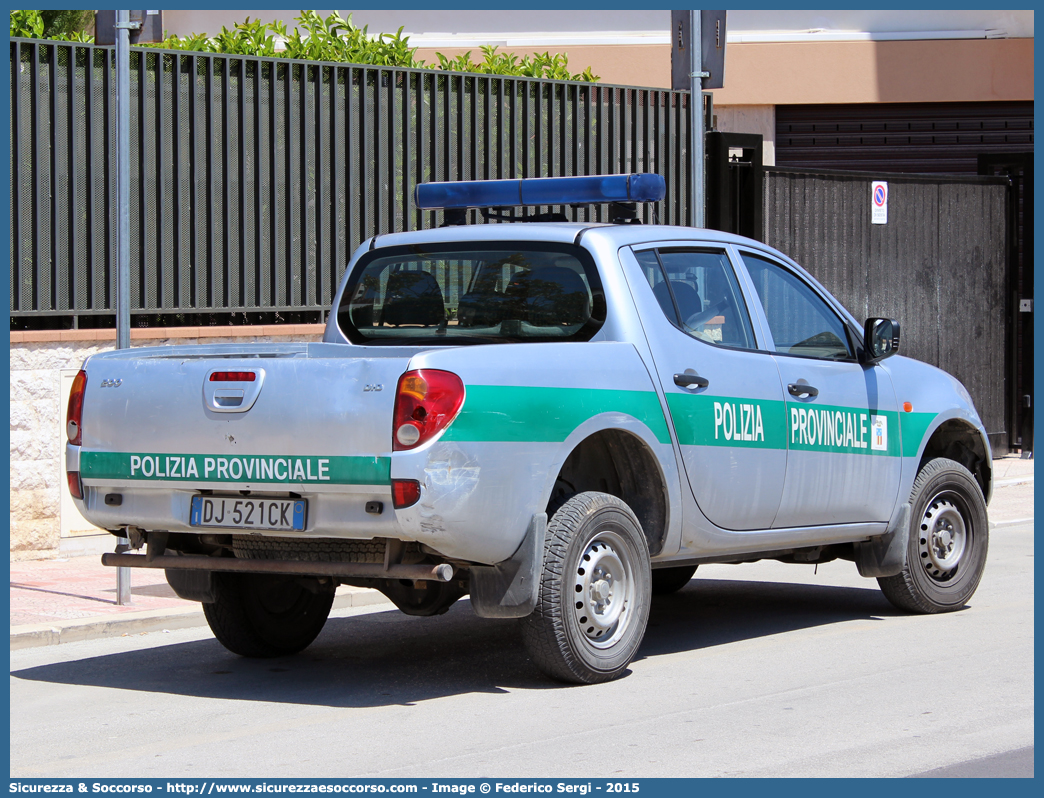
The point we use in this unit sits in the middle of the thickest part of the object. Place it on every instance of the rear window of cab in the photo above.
(483, 292)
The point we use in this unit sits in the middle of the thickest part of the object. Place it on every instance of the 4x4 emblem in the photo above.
(111, 383)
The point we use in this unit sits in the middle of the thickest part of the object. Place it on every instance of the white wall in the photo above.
(424, 21)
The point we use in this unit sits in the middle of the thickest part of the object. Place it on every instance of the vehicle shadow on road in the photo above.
(387, 658)
(714, 612)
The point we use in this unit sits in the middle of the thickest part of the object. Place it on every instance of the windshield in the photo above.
(488, 292)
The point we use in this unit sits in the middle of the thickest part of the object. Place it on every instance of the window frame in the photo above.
(594, 324)
(754, 326)
(853, 336)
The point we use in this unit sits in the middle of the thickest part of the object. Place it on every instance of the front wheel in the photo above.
(257, 615)
(949, 537)
(595, 590)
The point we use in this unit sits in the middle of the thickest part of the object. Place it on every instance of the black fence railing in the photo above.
(253, 179)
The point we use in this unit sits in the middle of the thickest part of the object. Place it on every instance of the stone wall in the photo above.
(37, 409)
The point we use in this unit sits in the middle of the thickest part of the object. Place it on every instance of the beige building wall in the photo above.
(828, 72)
(774, 57)
(932, 71)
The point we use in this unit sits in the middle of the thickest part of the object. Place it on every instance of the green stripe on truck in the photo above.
(239, 469)
(516, 414)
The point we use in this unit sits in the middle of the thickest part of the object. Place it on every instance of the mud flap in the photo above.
(885, 555)
(509, 588)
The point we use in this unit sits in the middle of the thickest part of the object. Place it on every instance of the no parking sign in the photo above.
(879, 202)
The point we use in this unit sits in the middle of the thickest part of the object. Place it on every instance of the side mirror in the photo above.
(880, 339)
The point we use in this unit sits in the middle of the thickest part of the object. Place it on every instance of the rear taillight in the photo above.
(426, 401)
(75, 412)
(405, 493)
(75, 488)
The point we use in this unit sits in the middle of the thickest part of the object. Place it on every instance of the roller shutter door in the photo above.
(942, 138)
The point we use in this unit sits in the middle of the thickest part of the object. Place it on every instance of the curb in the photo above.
(1010, 522)
(1007, 483)
(73, 631)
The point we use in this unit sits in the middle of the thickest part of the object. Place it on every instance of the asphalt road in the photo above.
(755, 670)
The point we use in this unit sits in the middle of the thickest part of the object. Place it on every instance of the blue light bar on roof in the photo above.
(541, 191)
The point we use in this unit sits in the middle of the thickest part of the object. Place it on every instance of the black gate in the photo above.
(1018, 169)
(940, 265)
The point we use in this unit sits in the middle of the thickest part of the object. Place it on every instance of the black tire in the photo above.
(257, 615)
(949, 538)
(671, 580)
(589, 621)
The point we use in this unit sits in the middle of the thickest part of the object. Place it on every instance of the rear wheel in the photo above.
(257, 615)
(949, 537)
(671, 580)
(594, 591)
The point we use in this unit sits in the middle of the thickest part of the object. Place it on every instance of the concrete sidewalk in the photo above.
(64, 600)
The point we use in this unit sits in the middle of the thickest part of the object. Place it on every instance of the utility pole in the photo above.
(696, 76)
(697, 63)
(123, 29)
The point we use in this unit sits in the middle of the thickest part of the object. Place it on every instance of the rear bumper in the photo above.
(348, 570)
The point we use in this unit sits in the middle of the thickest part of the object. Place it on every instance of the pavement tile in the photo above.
(43, 591)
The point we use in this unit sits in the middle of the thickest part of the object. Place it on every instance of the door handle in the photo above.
(802, 389)
(685, 380)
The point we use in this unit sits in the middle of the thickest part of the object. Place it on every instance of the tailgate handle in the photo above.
(232, 391)
(228, 398)
(685, 380)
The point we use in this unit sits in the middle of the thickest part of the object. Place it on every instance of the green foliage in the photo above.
(338, 40)
(71, 26)
(81, 36)
(245, 38)
(197, 42)
(27, 25)
(540, 65)
(314, 38)
(67, 26)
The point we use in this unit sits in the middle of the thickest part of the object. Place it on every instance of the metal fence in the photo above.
(253, 179)
(940, 266)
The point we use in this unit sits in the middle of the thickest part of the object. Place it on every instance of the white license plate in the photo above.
(236, 512)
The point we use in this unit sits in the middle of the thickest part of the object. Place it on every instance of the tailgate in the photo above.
(252, 418)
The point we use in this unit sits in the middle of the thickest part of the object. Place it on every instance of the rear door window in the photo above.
(697, 290)
(473, 293)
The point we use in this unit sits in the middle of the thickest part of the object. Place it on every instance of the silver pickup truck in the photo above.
(558, 419)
